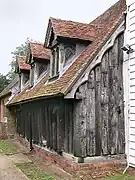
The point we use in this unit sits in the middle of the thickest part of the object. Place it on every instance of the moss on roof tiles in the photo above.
(109, 22)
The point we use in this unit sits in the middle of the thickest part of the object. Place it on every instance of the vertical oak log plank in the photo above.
(113, 94)
(104, 103)
(23, 116)
(60, 127)
(66, 139)
(50, 124)
(70, 111)
(46, 122)
(62, 123)
(43, 126)
(58, 132)
(82, 120)
(53, 124)
(27, 117)
(76, 116)
(91, 145)
(54, 118)
(121, 124)
(98, 110)
(37, 126)
(30, 131)
(70, 128)
(32, 124)
(40, 125)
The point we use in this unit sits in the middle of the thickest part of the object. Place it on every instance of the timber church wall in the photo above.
(91, 124)
(47, 123)
(99, 110)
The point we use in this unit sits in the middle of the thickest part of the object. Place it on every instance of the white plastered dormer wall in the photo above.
(63, 64)
(15, 89)
(24, 79)
(39, 73)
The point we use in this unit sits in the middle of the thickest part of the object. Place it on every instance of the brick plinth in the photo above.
(3, 131)
(94, 169)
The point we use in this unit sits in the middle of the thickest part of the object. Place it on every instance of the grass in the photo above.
(6, 147)
(120, 177)
(33, 172)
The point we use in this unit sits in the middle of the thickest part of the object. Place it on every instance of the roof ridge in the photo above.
(105, 12)
(63, 20)
(36, 42)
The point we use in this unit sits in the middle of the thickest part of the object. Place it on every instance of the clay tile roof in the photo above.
(74, 30)
(21, 63)
(39, 51)
(109, 21)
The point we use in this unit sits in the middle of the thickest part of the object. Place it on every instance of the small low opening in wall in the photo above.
(55, 162)
(60, 153)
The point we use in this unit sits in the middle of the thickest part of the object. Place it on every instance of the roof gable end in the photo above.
(58, 28)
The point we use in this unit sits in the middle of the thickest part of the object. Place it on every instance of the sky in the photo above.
(20, 19)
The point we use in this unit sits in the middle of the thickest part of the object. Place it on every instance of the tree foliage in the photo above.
(4, 81)
(19, 51)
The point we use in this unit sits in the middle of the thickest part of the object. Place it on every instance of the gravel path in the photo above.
(8, 171)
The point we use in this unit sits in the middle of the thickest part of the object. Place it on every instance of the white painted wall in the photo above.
(64, 66)
(15, 89)
(130, 84)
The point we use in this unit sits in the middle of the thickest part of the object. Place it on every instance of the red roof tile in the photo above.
(21, 63)
(74, 30)
(39, 51)
(109, 21)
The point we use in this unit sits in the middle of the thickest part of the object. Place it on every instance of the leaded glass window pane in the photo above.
(69, 51)
(42, 68)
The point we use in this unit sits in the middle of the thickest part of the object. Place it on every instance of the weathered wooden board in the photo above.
(101, 107)
(98, 110)
(91, 115)
(92, 124)
(104, 104)
(120, 110)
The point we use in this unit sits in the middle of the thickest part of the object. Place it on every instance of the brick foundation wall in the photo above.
(1, 109)
(11, 122)
(7, 117)
(94, 169)
(3, 131)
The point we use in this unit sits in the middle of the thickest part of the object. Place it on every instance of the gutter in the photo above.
(35, 99)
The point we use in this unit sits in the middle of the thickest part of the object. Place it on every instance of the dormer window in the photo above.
(69, 51)
(23, 70)
(26, 78)
(65, 45)
(32, 75)
(55, 62)
(39, 60)
(42, 68)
